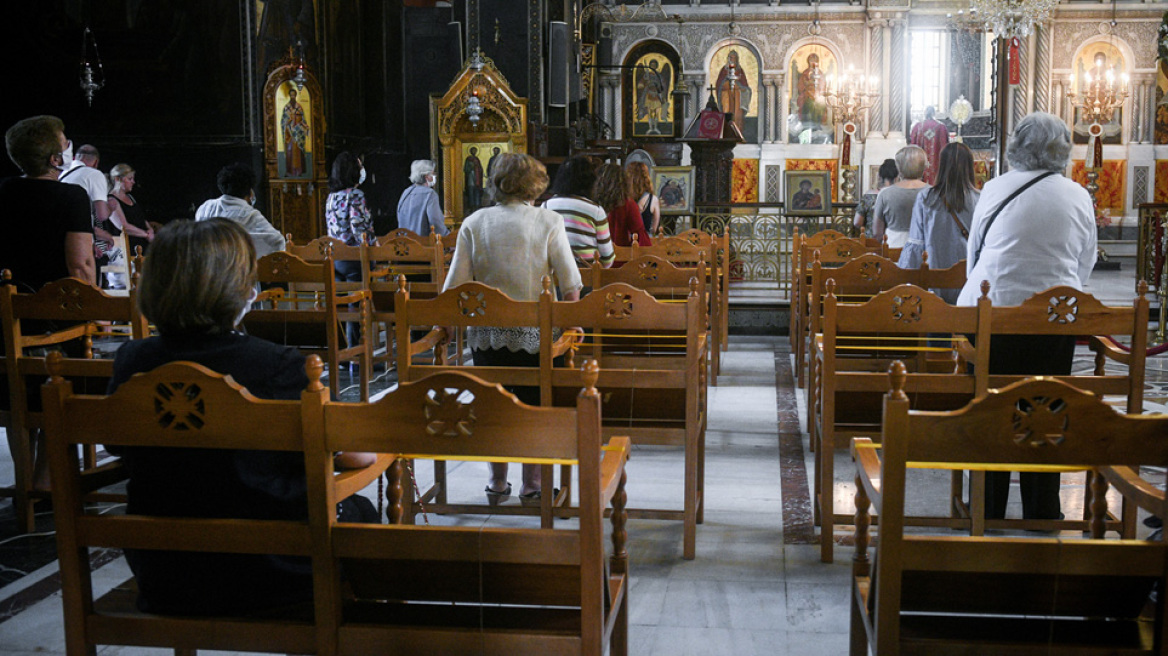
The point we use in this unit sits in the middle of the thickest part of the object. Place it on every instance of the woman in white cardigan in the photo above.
(512, 246)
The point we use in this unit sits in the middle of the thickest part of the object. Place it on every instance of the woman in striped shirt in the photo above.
(585, 221)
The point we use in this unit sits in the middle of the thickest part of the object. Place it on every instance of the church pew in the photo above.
(452, 590)
(949, 594)
(843, 405)
(217, 413)
(305, 311)
(62, 315)
(420, 259)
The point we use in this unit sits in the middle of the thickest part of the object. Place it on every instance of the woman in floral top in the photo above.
(348, 219)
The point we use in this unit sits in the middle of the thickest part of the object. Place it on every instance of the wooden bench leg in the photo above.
(826, 456)
(977, 504)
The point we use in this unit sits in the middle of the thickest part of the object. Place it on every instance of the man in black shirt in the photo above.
(46, 226)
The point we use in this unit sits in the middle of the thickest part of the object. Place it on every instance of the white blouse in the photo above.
(512, 247)
(1045, 237)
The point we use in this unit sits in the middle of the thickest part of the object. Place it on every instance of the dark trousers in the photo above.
(349, 271)
(1031, 355)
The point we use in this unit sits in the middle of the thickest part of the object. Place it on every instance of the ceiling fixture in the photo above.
(91, 81)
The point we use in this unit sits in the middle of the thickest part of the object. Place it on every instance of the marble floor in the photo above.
(756, 587)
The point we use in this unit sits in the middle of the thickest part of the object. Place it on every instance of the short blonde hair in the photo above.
(517, 177)
(912, 162)
(120, 171)
(198, 278)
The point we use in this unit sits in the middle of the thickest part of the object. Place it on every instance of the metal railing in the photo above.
(762, 237)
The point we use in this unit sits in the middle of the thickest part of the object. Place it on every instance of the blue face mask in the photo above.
(361, 179)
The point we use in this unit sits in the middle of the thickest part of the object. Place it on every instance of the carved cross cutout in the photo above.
(870, 270)
(843, 251)
(647, 271)
(618, 306)
(692, 238)
(673, 251)
(906, 309)
(401, 248)
(1040, 421)
(1062, 309)
(449, 413)
(179, 406)
(325, 248)
(472, 305)
(69, 299)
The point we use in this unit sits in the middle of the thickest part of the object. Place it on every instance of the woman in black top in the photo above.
(641, 189)
(196, 286)
(127, 211)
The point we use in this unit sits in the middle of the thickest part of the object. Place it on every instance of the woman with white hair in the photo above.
(1033, 229)
(418, 209)
(892, 214)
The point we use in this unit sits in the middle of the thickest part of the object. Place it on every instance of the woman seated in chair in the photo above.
(196, 285)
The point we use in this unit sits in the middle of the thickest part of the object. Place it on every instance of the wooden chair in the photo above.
(308, 313)
(950, 594)
(653, 378)
(843, 401)
(397, 254)
(1067, 311)
(63, 314)
(689, 249)
(212, 413)
(799, 276)
(461, 589)
(469, 305)
(831, 254)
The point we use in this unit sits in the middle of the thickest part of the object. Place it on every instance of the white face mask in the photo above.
(361, 178)
(431, 179)
(251, 200)
(66, 157)
(246, 306)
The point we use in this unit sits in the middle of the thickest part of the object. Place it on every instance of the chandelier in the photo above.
(1103, 91)
(849, 94)
(92, 72)
(1012, 18)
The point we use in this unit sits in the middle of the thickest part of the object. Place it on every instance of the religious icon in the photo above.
(478, 162)
(734, 76)
(1096, 60)
(653, 83)
(674, 188)
(808, 193)
(472, 175)
(809, 119)
(294, 138)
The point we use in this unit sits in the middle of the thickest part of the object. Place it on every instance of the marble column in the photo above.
(1058, 96)
(896, 86)
(783, 108)
(697, 93)
(770, 85)
(1042, 70)
(610, 86)
(875, 67)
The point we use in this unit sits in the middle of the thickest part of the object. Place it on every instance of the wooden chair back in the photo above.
(857, 343)
(306, 312)
(517, 590)
(62, 314)
(941, 594)
(1067, 311)
(177, 405)
(400, 253)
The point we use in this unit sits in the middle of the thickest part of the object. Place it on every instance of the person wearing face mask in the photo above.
(418, 210)
(59, 243)
(237, 184)
(348, 220)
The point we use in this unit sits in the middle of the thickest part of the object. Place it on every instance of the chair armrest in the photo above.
(349, 298)
(272, 294)
(1135, 488)
(432, 339)
(351, 481)
(965, 350)
(612, 465)
(1108, 348)
(868, 469)
(569, 341)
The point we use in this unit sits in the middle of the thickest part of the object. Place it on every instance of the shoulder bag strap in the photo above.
(993, 217)
(68, 173)
(960, 225)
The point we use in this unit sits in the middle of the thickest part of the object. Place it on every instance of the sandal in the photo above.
(534, 498)
(494, 497)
